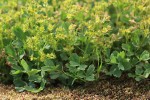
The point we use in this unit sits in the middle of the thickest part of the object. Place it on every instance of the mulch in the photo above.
(109, 88)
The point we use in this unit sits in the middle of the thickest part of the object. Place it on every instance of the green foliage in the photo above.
(72, 41)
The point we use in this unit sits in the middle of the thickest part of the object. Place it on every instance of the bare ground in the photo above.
(104, 89)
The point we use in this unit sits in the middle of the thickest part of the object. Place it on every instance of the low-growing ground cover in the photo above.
(44, 42)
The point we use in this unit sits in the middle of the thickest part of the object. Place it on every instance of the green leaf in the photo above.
(120, 66)
(113, 60)
(54, 75)
(138, 78)
(74, 64)
(121, 54)
(117, 72)
(113, 57)
(146, 73)
(80, 74)
(35, 78)
(79, 16)
(113, 13)
(33, 72)
(21, 53)
(139, 70)
(10, 51)
(145, 56)
(36, 90)
(49, 68)
(130, 54)
(19, 33)
(82, 67)
(114, 70)
(63, 15)
(136, 40)
(90, 70)
(74, 57)
(131, 75)
(15, 72)
(49, 62)
(19, 83)
(20, 89)
(124, 19)
(43, 73)
(72, 69)
(18, 43)
(126, 47)
(63, 56)
(65, 25)
(127, 65)
(25, 65)
(90, 78)
(16, 67)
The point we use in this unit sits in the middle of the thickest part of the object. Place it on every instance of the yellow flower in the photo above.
(68, 48)
(42, 55)
(90, 27)
(104, 30)
(141, 7)
(146, 31)
(24, 27)
(32, 58)
(60, 29)
(124, 31)
(51, 56)
(30, 9)
(50, 27)
(69, 16)
(72, 27)
(97, 19)
(61, 36)
(29, 43)
(17, 14)
(127, 30)
(41, 29)
(40, 20)
(45, 1)
(8, 18)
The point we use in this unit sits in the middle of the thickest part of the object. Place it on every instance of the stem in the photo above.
(99, 64)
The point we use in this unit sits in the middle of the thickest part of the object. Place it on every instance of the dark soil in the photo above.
(104, 89)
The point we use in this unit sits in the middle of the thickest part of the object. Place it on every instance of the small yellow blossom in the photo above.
(61, 36)
(97, 19)
(42, 55)
(60, 29)
(104, 30)
(69, 16)
(72, 27)
(41, 29)
(24, 27)
(50, 27)
(51, 56)
(68, 48)
(45, 1)
(32, 58)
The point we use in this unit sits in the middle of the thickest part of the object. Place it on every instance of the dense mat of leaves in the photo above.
(67, 41)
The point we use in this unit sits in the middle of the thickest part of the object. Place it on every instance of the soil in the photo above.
(104, 89)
